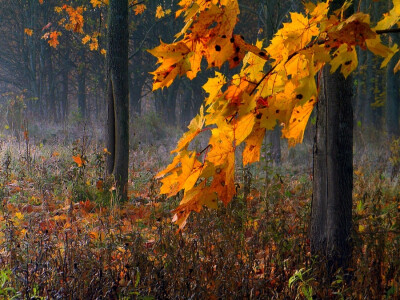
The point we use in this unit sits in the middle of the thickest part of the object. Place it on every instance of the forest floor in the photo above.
(64, 235)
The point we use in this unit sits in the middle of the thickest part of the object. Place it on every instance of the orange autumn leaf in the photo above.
(86, 39)
(139, 9)
(28, 31)
(160, 12)
(53, 39)
(79, 160)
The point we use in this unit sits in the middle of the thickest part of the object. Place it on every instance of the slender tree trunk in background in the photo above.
(135, 93)
(370, 84)
(276, 144)
(65, 86)
(331, 213)
(186, 107)
(51, 87)
(374, 79)
(166, 103)
(42, 78)
(32, 55)
(392, 100)
(361, 96)
(110, 128)
(361, 76)
(82, 89)
(118, 94)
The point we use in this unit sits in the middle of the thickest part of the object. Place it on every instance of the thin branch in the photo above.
(135, 4)
(392, 30)
(142, 42)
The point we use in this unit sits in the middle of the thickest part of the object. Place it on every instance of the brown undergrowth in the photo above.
(65, 236)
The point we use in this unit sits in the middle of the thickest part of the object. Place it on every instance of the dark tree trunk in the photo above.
(65, 87)
(331, 211)
(51, 88)
(110, 128)
(186, 104)
(361, 87)
(82, 89)
(367, 114)
(331, 214)
(276, 144)
(118, 94)
(392, 99)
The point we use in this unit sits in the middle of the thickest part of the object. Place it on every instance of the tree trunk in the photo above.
(51, 88)
(65, 87)
(186, 107)
(118, 94)
(135, 92)
(331, 213)
(276, 144)
(82, 90)
(392, 100)
(166, 103)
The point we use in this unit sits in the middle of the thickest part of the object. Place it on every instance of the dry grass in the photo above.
(64, 235)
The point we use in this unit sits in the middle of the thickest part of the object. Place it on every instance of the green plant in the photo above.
(304, 287)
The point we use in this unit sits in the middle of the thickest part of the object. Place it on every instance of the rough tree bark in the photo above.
(331, 212)
(118, 94)
(65, 85)
(392, 98)
(82, 89)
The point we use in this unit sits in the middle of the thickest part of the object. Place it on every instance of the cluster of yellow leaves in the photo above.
(98, 3)
(161, 13)
(75, 19)
(208, 33)
(242, 109)
(93, 41)
(52, 38)
(74, 22)
(139, 9)
(28, 31)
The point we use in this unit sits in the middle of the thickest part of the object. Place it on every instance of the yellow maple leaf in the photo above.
(86, 39)
(173, 60)
(195, 127)
(390, 18)
(139, 9)
(96, 3)
(294, 130)
(94, 45)
(19, 215)
(160, 12)
(397, 67)
(244, 127)
(346, 57)
(53, 39)
(251, 152)
(213, 86)
(28, 31)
